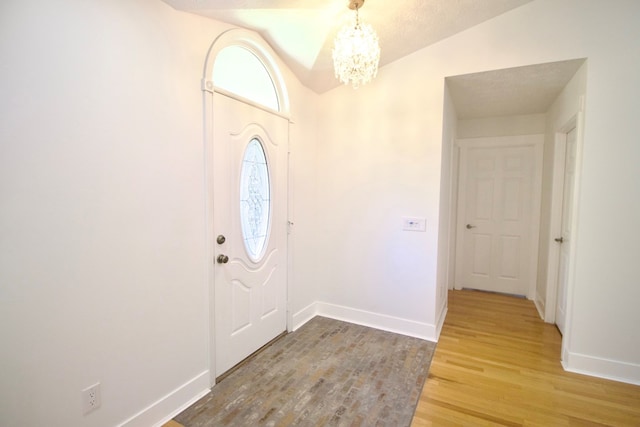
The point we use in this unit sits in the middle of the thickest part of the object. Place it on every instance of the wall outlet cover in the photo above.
(91, 398)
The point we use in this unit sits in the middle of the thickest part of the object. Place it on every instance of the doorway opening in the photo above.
(536, 101)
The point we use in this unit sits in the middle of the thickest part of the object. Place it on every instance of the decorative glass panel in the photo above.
(239, 71)
(255, 199)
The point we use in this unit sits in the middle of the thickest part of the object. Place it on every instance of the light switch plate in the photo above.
(414, 224)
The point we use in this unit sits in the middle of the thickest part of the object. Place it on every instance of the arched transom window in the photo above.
(238, 70)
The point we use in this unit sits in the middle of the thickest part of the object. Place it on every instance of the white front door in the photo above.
(250, 226)
(498, 216)
(565, 236)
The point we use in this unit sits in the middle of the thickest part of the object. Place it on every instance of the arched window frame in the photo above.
(257, 46)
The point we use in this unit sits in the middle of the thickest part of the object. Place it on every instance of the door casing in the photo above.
(550, 300)
(566, 234)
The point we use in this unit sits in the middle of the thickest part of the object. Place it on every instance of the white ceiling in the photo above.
(513, 91)
(302, 31)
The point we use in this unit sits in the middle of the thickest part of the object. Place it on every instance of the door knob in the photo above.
(469, 226)
(222, 259)
(221, 239)
(559, 239)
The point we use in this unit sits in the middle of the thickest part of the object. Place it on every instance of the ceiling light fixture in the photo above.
(356, 52)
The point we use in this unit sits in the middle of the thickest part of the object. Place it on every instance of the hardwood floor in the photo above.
(498, 364)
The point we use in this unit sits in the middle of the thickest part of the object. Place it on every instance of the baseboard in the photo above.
(172, 404)
(443, 316)
(603, 368)
(539, 303)
(304, 315)
(397, 325)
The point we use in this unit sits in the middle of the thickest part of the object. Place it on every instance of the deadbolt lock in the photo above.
(220, 239)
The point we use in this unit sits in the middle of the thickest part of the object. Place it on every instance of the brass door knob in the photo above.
(222, 259)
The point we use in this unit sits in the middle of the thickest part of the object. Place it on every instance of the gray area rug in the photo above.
(327, 373)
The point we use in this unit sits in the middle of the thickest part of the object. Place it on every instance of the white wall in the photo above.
(303, 250)
(103, 269)
(380, 158)
(529, 124)
(379, 155)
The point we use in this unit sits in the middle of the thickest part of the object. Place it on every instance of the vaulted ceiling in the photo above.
(302, 31)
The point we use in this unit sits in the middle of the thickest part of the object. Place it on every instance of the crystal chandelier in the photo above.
(356, 52)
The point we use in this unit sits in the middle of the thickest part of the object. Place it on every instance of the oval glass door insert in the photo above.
(255, 199)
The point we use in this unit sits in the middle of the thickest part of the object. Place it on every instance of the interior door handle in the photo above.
(559, 239)
(222, 259)
(469, 226)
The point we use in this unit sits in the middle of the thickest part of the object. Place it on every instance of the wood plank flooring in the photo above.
(498, 364)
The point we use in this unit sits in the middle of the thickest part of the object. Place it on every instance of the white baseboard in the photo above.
(603, 368)
(443, 316)
(539, 303)
(158, 413)
(304, 315)
(397, 325)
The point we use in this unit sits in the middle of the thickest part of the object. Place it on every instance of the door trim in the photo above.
(537, 142)
(577, 122)
(555, 222)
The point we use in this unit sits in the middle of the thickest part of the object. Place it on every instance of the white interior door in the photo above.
(498, 217)
(565, 237)
(249, 222)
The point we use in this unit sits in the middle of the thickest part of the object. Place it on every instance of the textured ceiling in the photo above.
(302, 31)
(512, 91)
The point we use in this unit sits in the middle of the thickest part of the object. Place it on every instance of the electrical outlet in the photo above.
(91, 398)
